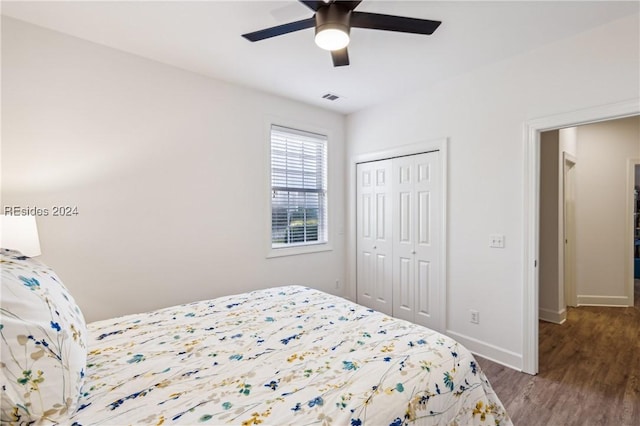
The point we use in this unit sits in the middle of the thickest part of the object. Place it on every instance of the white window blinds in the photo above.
(298, 187)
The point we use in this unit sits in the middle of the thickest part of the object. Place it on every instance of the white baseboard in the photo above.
(552, 316)
(619, 301)
(488, 351)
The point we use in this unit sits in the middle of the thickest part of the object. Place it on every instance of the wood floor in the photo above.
(589, 371)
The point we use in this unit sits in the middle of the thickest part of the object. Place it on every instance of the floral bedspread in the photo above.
(288, 355)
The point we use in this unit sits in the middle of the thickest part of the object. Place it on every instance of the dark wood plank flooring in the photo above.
(589, 371)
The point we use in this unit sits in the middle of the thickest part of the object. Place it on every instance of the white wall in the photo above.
(602, 236)
(568, 142)
(548, 278)
(482, 113)
(168, 169)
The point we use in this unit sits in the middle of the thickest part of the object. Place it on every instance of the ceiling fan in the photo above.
(333, 20)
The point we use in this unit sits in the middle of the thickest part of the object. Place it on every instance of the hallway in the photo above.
(589, 371)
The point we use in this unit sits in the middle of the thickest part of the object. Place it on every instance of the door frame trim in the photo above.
(531, 204)
(568, 289)
(440, 145)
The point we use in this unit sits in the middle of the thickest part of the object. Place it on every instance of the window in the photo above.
(298, 188)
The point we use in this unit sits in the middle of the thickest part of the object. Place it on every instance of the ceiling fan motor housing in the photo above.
(333, 16)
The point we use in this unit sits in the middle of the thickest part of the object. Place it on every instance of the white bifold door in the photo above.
(399, 237)
(374, 258)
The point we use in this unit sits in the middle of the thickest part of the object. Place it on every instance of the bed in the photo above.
(286, 355)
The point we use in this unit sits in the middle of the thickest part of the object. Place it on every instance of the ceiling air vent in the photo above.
(330, 96)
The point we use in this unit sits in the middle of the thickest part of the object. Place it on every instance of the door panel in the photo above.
(404, 172)
(417, 215)
(423, 172)
(427, 248)
(404, 242)
(381, 278)
(404, 294)
(381, 216)
(367, 280)
(365, 269)
(423, 289)
(404, 217)
(383, 242)
(424, 217)
(399, 237)
(374, 244)
(366, 216)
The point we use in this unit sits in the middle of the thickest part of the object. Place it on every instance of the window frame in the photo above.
(305, 247)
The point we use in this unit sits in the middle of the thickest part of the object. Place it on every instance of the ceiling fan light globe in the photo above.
(332, 39)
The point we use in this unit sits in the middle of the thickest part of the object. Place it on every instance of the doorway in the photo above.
(533, 130)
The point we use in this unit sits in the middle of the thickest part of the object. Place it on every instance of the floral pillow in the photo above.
(42, 342)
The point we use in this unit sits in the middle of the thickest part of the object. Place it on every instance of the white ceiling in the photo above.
(204, 37)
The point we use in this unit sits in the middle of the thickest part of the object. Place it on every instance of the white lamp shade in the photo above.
(20, 233)
(332, 39)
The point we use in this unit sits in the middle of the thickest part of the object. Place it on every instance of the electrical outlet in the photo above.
(474, 316)
(496, 241)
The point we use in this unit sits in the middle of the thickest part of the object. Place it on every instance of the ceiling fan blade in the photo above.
(377, 21)
(280, 29)
(312, 4)
(350, 5)
(340, 57)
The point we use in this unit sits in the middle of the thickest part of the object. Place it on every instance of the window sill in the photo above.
(296, 250)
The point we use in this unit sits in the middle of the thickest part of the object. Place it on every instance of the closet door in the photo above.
(416, 242)
(374, 242)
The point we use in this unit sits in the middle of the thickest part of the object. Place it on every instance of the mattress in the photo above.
(287, 355)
